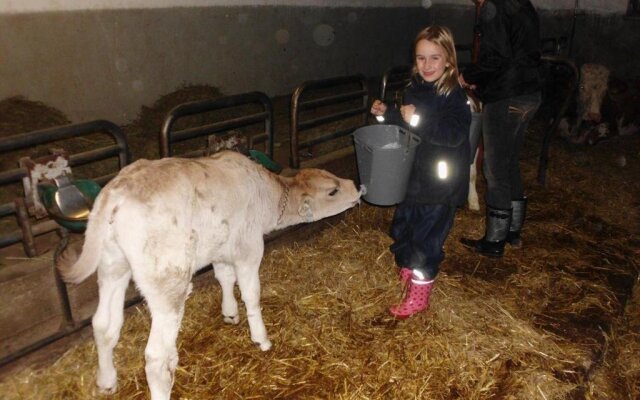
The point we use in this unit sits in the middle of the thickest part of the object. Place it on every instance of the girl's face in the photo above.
(431, 61)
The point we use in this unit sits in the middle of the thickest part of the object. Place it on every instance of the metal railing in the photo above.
(350, 93)
(169, 136)
(394, 80)
(28, 229)
(552, 61)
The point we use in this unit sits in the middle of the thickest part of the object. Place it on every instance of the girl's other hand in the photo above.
(407, 112)
(378, 108)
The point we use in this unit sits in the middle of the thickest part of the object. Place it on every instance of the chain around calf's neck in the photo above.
(284, 199)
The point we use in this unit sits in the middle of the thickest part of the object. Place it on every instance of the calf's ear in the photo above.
(305, 210)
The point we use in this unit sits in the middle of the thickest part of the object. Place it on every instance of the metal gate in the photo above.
(41, 308)
(319, 103)
(218, 125)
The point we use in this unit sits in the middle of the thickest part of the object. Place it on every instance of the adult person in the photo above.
(507, 78)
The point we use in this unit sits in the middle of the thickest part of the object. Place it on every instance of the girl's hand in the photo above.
(378, 108)
(407, 112)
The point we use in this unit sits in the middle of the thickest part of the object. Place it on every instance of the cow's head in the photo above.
(323, 194)
(594, 79)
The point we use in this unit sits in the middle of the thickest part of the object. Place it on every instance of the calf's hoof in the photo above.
(473, 204)
(234, 320)
(107, 382)
(105, 389)
(265, 345)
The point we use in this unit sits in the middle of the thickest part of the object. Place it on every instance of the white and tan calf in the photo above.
(160, 221)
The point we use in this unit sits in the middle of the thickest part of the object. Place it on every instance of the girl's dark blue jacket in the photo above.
(444, 131)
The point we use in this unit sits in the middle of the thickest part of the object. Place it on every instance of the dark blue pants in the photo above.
(419, 232)
(503, 127)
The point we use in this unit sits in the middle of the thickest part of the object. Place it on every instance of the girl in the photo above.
(436, 108)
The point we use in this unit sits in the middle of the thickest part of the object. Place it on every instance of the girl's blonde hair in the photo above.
(443, 37)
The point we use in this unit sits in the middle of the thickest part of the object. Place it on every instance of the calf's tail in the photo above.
(95, 234)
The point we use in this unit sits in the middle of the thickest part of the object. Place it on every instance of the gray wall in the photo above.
(108, 63)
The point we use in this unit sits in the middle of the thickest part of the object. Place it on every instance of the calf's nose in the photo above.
(593, 117)
(363, 190)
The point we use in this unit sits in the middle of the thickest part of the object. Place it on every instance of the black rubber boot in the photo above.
(497, 229)
(518, 214)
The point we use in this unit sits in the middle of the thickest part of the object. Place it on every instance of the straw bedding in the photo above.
(558, 319)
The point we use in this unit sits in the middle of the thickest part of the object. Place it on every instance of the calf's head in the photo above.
(322, 194)
(594, 79)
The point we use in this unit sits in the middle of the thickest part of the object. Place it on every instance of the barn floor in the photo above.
(558, 319)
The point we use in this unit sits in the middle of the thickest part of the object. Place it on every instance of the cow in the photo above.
(606, 106)
(158, 222)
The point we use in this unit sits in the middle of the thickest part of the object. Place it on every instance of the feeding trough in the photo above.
(384, 154)
(69, 201)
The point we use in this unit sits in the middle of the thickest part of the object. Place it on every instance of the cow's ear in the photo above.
(305, 210)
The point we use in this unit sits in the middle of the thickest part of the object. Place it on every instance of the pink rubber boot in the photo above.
(405, 275)
(416, 298)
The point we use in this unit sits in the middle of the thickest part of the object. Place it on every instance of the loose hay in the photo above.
(324, 303)
(545, 322)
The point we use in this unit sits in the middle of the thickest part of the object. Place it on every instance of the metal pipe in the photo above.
(573, 27)
(546, 142)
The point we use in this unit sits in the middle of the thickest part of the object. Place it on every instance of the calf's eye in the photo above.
(333, 192)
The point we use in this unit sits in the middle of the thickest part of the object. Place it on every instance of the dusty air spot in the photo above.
(243, 18)
(122, 65)
(282, 36)
(427, 3)
(490, 11)
(137, 85)
(323, 35)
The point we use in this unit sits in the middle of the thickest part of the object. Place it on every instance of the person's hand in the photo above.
(378, 108)
(464, 83)
(407, 112)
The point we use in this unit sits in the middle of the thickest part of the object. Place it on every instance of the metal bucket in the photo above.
(384, 155)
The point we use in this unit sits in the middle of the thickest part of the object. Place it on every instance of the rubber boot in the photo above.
(405, 275)
(492, 244)
(416, 297)
(518, 214)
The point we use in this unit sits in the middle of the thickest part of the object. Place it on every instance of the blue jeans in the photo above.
(419, 232)
(503, 127)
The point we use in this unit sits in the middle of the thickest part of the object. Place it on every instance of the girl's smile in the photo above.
(430, 60)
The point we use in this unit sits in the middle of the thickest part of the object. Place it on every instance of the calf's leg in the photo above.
(226, 275)
(472, 199)
(114, 275)
(249, 283)
(165, 294)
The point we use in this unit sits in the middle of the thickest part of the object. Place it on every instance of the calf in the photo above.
(160, 221)
(605, 106)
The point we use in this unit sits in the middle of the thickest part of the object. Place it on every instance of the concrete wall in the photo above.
(105, 59)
